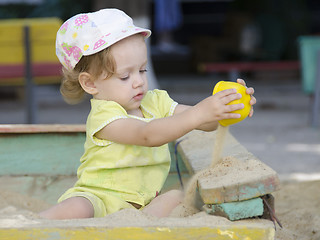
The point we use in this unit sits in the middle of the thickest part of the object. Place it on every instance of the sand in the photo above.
(189, 202)
(218, 145)
(297, 207)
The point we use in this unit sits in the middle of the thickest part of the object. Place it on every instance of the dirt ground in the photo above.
(297, 208)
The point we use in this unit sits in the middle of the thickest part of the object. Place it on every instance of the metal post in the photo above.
(29, 86)
(316, 99)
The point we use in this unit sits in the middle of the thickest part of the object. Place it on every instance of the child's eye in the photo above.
(124, 78)
(143, 71)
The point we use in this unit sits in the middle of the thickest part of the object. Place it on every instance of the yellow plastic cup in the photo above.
(245, 99)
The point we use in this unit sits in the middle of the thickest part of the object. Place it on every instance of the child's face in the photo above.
(129, 84)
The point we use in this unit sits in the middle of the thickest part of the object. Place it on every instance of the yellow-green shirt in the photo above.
(128, 172)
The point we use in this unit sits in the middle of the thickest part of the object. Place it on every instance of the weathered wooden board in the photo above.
(42, 128)
(42, 153)
(240, 176)
(41, 149)
(140, 233)
(247, 179)
(196, 149)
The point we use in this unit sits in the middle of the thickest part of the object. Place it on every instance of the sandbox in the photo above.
(30, 183)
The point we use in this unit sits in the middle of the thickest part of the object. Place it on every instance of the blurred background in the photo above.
(272, 44)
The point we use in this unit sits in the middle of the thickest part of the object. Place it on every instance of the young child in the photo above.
(126, 158)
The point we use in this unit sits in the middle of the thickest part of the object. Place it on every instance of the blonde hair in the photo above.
(95, 65)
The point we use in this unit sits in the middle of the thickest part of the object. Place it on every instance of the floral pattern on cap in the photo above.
(88, 33)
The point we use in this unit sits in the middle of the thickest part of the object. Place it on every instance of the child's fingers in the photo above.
(251, 112)
(241, 81)
(250, 91)
(226, 92)
(253, 100)
(234, 107)
(231, 115)
(228, 95)
(229, 98)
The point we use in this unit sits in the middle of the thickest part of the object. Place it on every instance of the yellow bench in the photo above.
(28, 56)
(44, 63)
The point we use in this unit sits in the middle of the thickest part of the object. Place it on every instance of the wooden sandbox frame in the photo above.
(62, 145)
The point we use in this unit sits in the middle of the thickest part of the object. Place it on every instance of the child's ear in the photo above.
(87, 83)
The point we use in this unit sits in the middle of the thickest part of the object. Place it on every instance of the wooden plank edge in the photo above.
(210, 138)
(140, 233)
(42, 128)
(240, 191)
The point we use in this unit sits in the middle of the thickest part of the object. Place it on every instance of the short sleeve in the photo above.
(159, 101)
(102, 113)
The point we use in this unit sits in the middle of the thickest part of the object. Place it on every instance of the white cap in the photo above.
(89, 33)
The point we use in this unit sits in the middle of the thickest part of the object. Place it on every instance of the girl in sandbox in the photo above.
(126, 158)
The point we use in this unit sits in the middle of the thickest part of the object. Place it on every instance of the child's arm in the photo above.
(164, 130)
(204, 127)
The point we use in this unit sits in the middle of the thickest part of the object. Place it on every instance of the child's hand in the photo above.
(249, 91)
(216, 108)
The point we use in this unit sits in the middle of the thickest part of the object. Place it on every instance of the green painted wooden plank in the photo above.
(237, 210)
(49, 154)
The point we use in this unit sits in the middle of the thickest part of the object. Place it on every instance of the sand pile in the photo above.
(297, 207)
(22, 213)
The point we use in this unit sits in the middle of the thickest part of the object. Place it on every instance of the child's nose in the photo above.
(138, 81)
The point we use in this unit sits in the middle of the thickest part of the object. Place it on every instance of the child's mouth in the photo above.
(138, 96)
